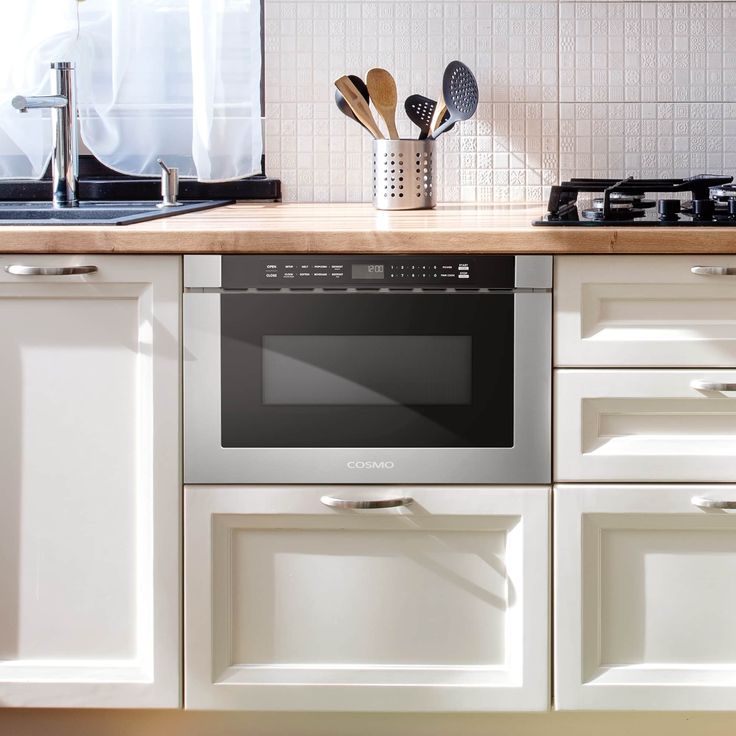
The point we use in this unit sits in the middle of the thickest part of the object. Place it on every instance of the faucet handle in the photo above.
(169, 185)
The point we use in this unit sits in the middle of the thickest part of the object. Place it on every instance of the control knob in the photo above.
(703, 209)
(667, 209)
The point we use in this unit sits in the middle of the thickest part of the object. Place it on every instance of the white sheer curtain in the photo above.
(176, 79)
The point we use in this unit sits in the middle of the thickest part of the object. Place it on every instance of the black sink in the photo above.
(96, 213)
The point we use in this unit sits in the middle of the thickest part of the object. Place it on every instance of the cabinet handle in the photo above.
(378, 503)
(701, 385)
(713, 271)
(710, 503)
(18, 270)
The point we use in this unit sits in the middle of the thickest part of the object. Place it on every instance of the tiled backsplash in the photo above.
(599, 88)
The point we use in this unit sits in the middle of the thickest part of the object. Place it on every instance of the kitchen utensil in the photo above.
(382, 90)
(419, 110)
(358, 105)
(459, 96)
(342, 103)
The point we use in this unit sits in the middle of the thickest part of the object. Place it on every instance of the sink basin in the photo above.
(96, 213)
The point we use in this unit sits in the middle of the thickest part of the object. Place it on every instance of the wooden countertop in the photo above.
(358, 228)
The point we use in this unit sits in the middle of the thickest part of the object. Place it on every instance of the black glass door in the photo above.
(345, 369)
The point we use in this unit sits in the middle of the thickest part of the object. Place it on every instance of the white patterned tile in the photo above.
(647, 139)
(644, 88)
(647, 51)
(511, 46)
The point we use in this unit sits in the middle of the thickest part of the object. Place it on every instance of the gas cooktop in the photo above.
(700, 201)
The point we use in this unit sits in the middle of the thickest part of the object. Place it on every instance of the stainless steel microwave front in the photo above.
(494, 391)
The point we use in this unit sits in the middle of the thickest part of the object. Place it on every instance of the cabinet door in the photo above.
(645, 425)
(645, 594)
(441, 605)
(645, 311)
(89, 450)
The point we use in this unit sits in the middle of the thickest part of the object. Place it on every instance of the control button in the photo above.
(463, 275)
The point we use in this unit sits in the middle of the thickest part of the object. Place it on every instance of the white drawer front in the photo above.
(639, 425)
(440, 605)
(645, 593)
(644, 311)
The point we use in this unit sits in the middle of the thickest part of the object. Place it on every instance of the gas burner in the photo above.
(615, 213)
(723, 193)
(618, 200)
(713, 202)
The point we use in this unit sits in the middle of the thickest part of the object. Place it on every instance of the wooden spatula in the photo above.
(382, 89)
(358, 105)
(439, 113)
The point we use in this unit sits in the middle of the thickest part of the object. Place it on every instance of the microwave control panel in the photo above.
(367, 272)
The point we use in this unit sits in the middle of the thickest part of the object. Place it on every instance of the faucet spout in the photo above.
(24, 104)
(65, 152)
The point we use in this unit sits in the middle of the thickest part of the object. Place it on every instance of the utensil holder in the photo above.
(403, 175)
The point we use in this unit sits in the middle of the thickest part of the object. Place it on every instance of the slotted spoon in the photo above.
(419, 110)
(459, 96)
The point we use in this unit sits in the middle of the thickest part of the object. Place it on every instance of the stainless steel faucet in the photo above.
(65, 153)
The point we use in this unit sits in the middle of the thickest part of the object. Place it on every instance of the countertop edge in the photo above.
(358, 228)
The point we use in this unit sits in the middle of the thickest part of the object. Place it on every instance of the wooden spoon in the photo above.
(358, 105)
(382, 89)
(342, 104)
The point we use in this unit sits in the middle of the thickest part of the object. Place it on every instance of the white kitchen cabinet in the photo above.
(441, 605)
(644, 425)
(89, 451)
(645, 594)
(642, 311)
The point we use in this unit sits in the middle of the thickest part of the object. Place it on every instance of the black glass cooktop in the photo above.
(698, 201)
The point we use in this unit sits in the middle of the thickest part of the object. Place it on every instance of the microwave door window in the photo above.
(367, 370)
(372, 370)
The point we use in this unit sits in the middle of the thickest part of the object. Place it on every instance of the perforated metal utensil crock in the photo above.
(403, 175)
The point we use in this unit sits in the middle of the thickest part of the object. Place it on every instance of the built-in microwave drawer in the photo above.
(367, 386)
(645, 425)
(643, 311)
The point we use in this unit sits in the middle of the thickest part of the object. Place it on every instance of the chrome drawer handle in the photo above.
(18, 270)
(713, 271)
(379, 503)
(701, 385)
(710, 503)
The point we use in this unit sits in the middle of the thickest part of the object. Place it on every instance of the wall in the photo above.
(567, 88)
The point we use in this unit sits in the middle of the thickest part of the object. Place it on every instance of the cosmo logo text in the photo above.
(370, 464)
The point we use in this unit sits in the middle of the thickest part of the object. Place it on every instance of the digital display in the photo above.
(367, 271)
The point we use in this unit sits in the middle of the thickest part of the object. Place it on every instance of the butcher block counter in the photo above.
(359, 228)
